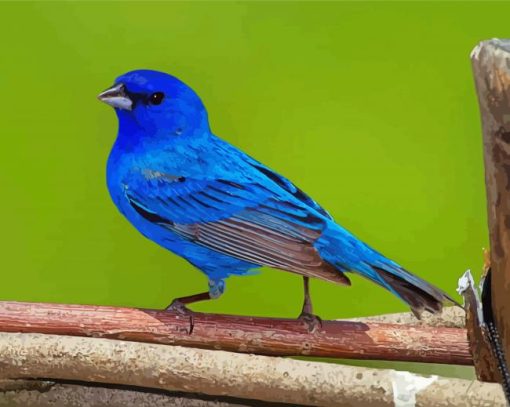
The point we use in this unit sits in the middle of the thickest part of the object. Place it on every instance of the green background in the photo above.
(369, 107)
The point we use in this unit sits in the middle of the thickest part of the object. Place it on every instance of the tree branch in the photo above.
(451, 317)
(268, 336)
(35, 393)
(219, 373)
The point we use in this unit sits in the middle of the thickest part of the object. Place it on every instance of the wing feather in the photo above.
(246, 221)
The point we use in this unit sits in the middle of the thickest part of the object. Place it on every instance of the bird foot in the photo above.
(180, 309)
(312, 322)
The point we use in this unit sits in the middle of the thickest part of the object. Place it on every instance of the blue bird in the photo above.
(223, 211)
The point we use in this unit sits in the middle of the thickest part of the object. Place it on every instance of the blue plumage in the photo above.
(223, 211)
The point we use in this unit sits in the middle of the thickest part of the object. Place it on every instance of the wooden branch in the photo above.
(491, 66)
(218, 373)
(451, 317)
(7, 385)
(268, 336)
(35, 393)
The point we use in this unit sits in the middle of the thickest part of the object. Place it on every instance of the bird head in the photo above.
(155, 102)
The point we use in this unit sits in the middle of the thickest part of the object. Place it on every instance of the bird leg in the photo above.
(179, 304)
(311, 321)
(216, 288)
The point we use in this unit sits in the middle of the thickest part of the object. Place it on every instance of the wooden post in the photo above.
(486, 366)
(491, 66)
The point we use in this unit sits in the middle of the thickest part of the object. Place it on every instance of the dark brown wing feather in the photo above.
(258, 244)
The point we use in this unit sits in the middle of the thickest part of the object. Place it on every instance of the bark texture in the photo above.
(220, 373)
(485, 364)
(491, 66)
(74, 395)
(451, 317)
(269, 336)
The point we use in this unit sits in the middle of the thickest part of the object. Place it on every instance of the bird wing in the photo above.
(261, 223)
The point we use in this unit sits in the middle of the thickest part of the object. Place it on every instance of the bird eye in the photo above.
(156, 98)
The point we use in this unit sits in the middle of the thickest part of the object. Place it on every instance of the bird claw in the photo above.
(180, 309)
(312, 322)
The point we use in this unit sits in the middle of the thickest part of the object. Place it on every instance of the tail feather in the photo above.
(420, 297)
(347, 253)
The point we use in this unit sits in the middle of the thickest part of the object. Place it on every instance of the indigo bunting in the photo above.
(223, 211)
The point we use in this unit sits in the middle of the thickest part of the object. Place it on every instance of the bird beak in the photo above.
(117, 97)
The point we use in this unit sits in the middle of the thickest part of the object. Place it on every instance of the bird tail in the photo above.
(417, 293)
(347, 253)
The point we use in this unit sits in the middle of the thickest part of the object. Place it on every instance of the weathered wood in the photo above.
(491, 66)
(451, 317)
(34, 393)
(485, 365)
(219, 373)
(268, 336)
